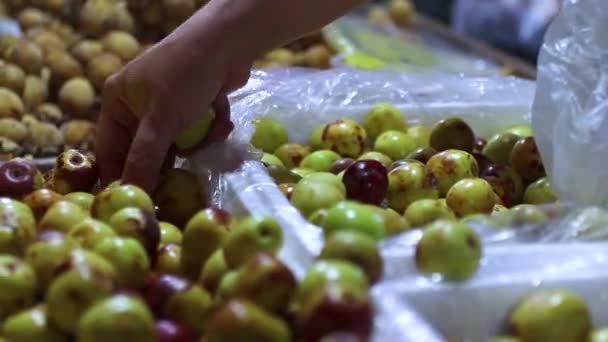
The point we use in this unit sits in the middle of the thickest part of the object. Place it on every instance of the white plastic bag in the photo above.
(570, 115)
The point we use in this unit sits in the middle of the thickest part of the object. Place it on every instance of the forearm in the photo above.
(251, 27)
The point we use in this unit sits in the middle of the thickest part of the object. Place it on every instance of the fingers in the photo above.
(222, 126)
(147, 153)
(113, 138)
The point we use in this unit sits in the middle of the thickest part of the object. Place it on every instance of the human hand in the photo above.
(155, 97)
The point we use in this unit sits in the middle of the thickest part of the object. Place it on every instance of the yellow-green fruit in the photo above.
(471, 196)
(62, 216)
(168, 260)
(320, 160)
(89, 231)
(292, 154)
(450, 166)
(420, 134)
(522, 131)
(191, 307)
(11, 105)
(269, 135)
(17, 226)
(169, 233)
(112, 199)
(32, 325)
(179, 195)
(311, 196)
(408, 183)
(196, 133)
(17, 285)
(346, 137)
(122, 44)
(271, 159)
(357, 248)
(48, 254)
(395, 144)
(316, 138)
(77, 96)
(378, 156)
(251, 236)
(425, 211)
(395, 223)
(384, 117)
(214, 270)
(551, 315)
(82, 199)
(129, 259)
(539, 192)
(12, 77)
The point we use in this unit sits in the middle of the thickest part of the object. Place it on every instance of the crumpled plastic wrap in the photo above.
(571, 107)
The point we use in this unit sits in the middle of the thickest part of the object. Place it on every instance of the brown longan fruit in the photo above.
(26, 54)
(46, 39)
(87, 49)
(122, 44)
(13, 129)
(35, 91)
(78, 132)
(63, 67)
(11, 105)
(318, 56)
(49, 112)
(32, 17)
(12, 77)
(102, 67)
(402, 12)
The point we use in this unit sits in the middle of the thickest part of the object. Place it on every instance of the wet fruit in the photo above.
(449, 249)
(168, 259)
(471, 196)
(366, 181)
(450, 166)
(17, 285)
(452, 133)
(269, 135)
(425, 211)
(551, 315)
(357, 248)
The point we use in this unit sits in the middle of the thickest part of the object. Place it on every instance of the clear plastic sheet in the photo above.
(571, 106)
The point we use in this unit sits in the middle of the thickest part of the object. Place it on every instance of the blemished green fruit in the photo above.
(425, 211)
(551, 315)
(269, 135)
(408, 183)
(17, 226)
(169, 233)
(89, 231)
(452, 133)
(271, 159)
(89, 279)
(353, 216)
(112, 199)
(238, 318)
(450, 166)
(526, 159)
(196, 133)
(205, 233)
(129, 259)
(471, 196)
(50, 251)
(498, 148)
(311, 196)
(140, 225)
(395, 223)
(17, 285)
(450, 249)
(62, 216)
(345, 137)
(321, 160)
(32, 325)
(291, 154)
(250, 236)
(539, 192)
(261, 272)
(281, 174)
(357, 248)
(395, 144)
(117, 318)
(384, 117)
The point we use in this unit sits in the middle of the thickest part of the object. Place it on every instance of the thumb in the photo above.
(147, 152)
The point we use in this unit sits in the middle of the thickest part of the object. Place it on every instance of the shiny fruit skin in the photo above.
(395, 144)
(41, 200)
(320, 161)
(179, 196)
(287, 189)
(526, 160)
(47, 254)
(168, 260)
(309, 196)
(384, 117)
(422, 154)
(195, 134)
(31, 325)
(450, 249)
(88, 278)
(89, 231)
(551, 315)
(112, 199)
(62, 216)
(377, 156)
(539, 192)
(292, 154)
(498, 149)
(250, 236)
(356, 217)
(239, 320)
(452, 133)
(19, 177)
(17, 285)
(117, 318)
(206, 232)
(74, 171)
(346, 137)
(425, 211)
(269, 135)
(129, 259)
(471, 196)
(169, 233)
(357, 248)
(260, 273)
(341, 165)
(408, 183)
(171, 331)
(139, 224)
(271, 159)
(450, 166)
(507, 183)
(17, 226)
(366, 181)
(82, 199)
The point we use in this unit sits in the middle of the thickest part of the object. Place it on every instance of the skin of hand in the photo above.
(165, 89)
